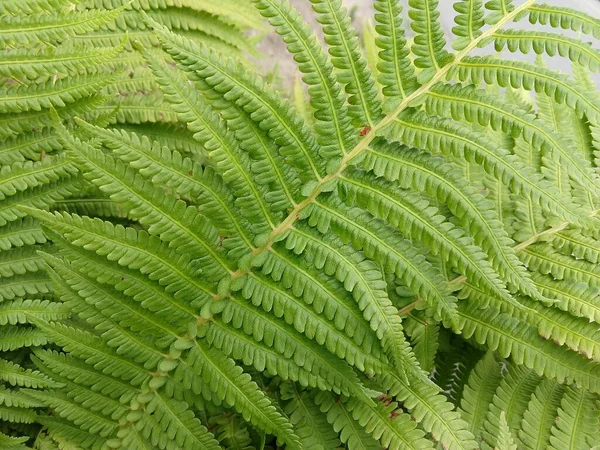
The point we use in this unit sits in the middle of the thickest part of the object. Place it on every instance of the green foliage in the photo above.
(404, 259)
(52, 60)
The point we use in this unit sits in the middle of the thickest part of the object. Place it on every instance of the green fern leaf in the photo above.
(421, 173)
(396, 74)
(43, 27)
(505, 439)
(469, 22)
(540, 415)
(191, 261)
(577, 420)
(432, 411)
(236, 388)
(311, 425)
(353, 72)
(429, 41)
(566, 18)
(296, 140)
(318, 74)
(509, 403)
(179, 423)
(499, 8)
(548, 43)
(343, 423)
(517, 340)
(18, 376)
(479, 392)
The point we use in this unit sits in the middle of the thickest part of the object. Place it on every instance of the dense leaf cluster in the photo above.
(406, 257)
(75, 59)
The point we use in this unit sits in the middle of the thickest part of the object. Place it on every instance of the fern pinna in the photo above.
(410, 263)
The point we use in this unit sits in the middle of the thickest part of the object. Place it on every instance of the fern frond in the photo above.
(351, 433)
(430, 408)
(62, 430)
(70, 368)
(499, 8)
(579, 299)
(34, 64)
(178, 422)
(183, 19)
(293, 346)
(241, 347)
(563, 17)
(94, 351)
(540, 415)
(310, 423)
(465, 103)
(321, 321)
(19, 311)
(469, 22)
(578, 334)
(229, 10)
(12, 442)
(16, 375)
(352, 69)
(396, 74)
(259, 260)
(505, 438)
(531, 77)
(509, 403)
(421, 172)
(576, 422)
(573, 242)
(522, 343)
(20, 233)
(36, 284)
(16, 415)
(429, 41)
(14, 337)
(424, 337)
(548, 43)
(15, 7)
(416, 219)
(284, 127)
(546, 260)
(186, 232)
(20, 261)
(437, 135)
(19, 177)
(390, 427)
(28, 147)
(50, 94)
(318, 75)
(229, 383)
(67, 408)
(365, 282)
(131, 249)
(479, 392)
(387, 247)
(43, 27)
(219, 143)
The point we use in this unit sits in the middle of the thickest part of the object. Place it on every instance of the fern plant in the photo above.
(37, 72)
(50, 57)
(222, 25)
(409, 260)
